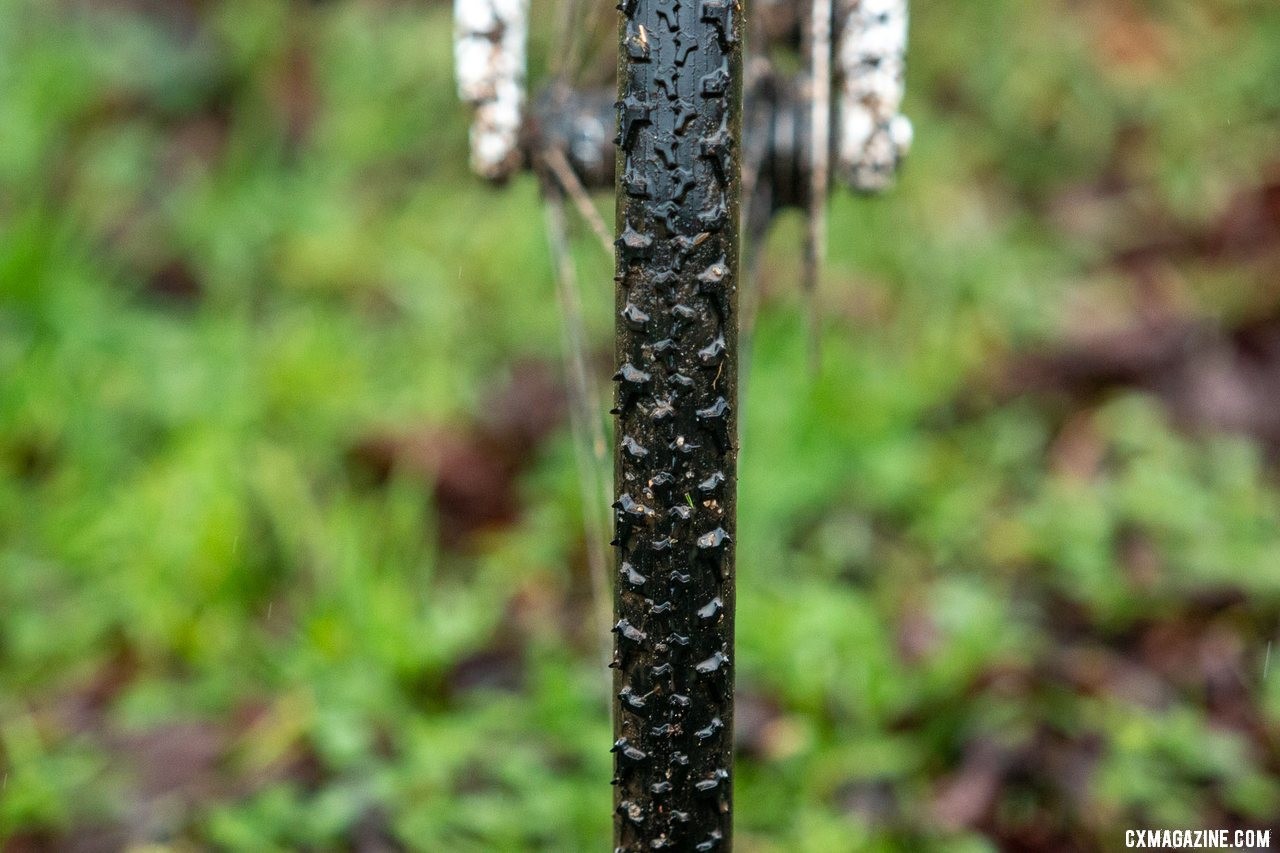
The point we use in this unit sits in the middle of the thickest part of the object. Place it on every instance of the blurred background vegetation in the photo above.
(291, 550)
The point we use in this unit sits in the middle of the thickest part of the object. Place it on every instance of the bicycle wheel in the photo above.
(679, 122)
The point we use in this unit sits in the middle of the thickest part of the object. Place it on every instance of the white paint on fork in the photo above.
(874, 135)
(489, 59)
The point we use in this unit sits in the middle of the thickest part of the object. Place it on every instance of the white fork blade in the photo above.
(489, 59)
(874, 135)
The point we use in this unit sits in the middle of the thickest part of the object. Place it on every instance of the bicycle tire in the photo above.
(678, 188)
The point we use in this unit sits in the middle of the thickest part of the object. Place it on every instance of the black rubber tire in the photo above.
(679, 124)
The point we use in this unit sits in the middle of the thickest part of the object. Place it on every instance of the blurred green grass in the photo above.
(238, 237)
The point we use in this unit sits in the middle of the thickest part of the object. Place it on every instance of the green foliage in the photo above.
(235, 242)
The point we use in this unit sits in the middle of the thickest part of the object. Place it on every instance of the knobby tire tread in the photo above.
(679, 127)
